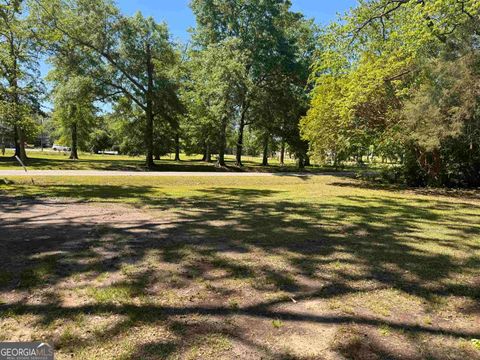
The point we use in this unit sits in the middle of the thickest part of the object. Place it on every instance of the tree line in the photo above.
(392, 79)
(401, 78)
(247, 66)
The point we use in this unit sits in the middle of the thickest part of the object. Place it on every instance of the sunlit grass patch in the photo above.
(475, 343)
(117, 293)
(208, 346)
(277, 323)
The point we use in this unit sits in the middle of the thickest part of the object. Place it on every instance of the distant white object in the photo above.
(60, 148)
(108, 152)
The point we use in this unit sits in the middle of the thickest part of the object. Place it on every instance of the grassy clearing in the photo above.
(51, 160)
(274, 267)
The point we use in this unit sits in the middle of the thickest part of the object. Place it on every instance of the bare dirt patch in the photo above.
(109, 280)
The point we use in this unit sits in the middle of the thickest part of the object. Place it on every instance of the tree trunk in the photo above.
(3, 146)
(241, 129)
(265, 150)
(177, 146)
(223, 144)
(221, 158)
(13, 82)
(157, 156)
(282, 153)
(436, 167)
(149, 111)
(301, 164)
(149, 138)
(20, 144)
(73, 150)
(240, 144)
(16, 141)
(208, 154)
(307, 161)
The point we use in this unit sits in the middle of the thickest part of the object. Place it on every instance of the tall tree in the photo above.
(74, 93)
(217, 75)
(258, 26)
(134, 54)
(374, 82)
(287, 88)
(19, 75)
(74, 111)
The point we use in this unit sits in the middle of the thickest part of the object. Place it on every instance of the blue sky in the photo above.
(179, 17)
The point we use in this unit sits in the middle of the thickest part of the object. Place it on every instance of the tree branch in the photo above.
(101, 52)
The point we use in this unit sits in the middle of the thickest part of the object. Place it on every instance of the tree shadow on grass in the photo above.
(81, 164)
(301, 249)
(457, 193)
(163, 165)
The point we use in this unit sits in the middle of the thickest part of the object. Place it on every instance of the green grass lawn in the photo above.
(50, 160)
(281, 267)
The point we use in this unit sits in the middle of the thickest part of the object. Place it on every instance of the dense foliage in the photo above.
(20, 89)
(392, 80)
(401, 79)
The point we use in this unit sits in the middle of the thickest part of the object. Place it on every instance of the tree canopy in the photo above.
(402, 77)
(391, 79)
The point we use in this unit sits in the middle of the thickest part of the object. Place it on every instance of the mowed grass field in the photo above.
(52, 160)
(280, 267)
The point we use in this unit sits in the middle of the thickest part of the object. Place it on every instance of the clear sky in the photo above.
(179, 17)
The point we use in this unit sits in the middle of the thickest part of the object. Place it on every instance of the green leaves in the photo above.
(20, 84)
(127, 57)
(443, 103)
(370, 75)
(217, 77)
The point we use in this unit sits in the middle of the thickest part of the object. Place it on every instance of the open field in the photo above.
(278, 267)
(51, 160)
